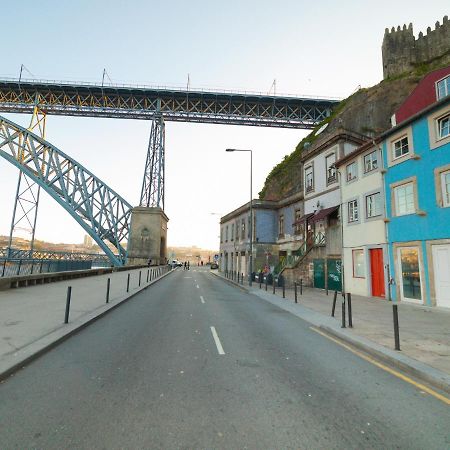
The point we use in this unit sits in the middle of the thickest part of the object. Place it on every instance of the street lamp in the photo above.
(251, 209)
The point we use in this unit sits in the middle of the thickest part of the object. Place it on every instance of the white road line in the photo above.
(202, 299)
(198, 287)
(217, 341)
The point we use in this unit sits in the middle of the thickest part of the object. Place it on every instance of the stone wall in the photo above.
(402, 52)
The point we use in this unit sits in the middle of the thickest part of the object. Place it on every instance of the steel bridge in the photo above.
(95, 206)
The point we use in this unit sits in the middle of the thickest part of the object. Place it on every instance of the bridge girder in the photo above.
(175, 105)
(102, 213)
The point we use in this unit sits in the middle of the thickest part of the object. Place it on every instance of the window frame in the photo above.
(395, 189)
(374, 152)
(446, 81)
(360, 251)
(381, 212)
(332, 167)
(403, 155)
(281, 226)
(438, 128)
(349, 180)
(354, 202)
(311, 188)
(445, 195)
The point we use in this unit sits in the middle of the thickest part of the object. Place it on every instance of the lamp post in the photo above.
(251, 209)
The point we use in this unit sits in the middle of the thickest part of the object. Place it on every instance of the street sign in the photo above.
(216, 257)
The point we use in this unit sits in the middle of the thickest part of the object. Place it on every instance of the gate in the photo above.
(334, 275)
(319, 273)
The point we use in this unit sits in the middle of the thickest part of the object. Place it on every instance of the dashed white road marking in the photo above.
(202, 299)
(198, 287)
(217, 341)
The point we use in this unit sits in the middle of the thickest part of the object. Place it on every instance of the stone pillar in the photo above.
(148, 236)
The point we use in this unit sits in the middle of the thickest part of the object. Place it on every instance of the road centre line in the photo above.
(217, 341)
(198, 287)
(202, 299)
(419, 386)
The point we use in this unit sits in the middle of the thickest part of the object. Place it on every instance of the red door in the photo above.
(377, 271)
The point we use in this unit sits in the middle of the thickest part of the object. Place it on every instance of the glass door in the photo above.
(410, 281)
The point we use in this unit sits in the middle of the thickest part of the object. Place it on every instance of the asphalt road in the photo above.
(150, 374)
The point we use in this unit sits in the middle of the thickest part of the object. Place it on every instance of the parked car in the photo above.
(214, 265)
(176, 263)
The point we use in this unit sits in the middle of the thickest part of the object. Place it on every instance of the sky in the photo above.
(326, 48)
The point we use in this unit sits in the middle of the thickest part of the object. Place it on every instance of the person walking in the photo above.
(185, 265)
(188, 264)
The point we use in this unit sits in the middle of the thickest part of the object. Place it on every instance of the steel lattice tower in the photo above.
(152, 193)
(27, 195)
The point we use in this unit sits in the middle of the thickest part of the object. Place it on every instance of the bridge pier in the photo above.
(148, 236)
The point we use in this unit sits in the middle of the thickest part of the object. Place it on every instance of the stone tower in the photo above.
(402, 52)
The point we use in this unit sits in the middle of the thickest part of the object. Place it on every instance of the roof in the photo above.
(324, 213)
(357, 151)
(303, 219)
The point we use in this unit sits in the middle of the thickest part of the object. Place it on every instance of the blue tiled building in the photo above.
(416, 155)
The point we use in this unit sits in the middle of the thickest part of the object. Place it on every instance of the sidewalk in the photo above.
(424, 331)
(32, 318)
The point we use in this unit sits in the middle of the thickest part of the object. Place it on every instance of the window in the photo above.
(351, 171)
(359, 270)
(443, 88)
(353, 211)
(443, 126)
(331, 168)
(445, 184)
(309, 179)
(404, 199)
(232, 231)
(226, 234)
(243, 229)
(373, 205)
(237, 229)
(221, 234)
(297, 224)
(281, 225)
(248, 225)
(400, 147)
(370, 162)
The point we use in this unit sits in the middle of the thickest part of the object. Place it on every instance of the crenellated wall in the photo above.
(401, 51)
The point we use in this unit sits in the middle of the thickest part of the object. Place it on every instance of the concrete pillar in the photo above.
(148, 236)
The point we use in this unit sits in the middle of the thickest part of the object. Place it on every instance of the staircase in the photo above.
(298, 255)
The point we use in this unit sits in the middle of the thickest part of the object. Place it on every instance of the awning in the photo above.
(323, 213)
(302, 219)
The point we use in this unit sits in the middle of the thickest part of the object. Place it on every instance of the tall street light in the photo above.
(251, 209)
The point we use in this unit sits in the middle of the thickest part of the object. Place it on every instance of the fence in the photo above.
(15, 267)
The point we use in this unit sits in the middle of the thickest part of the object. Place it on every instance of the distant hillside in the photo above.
(367, 111)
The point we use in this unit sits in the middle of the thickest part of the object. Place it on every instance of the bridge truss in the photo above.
(103, 214)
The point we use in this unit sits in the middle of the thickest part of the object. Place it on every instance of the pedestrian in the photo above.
(185, 265)
(188, 265)
(202, 263)
(149, 262)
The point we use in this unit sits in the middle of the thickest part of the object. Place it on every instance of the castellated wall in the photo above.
(402, 51)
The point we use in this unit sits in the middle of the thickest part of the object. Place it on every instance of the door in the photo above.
(410, 279)
(441, 263)
(319, 273)
(334, 275)
(377, 272)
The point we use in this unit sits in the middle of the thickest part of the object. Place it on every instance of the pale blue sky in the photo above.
(326, 48)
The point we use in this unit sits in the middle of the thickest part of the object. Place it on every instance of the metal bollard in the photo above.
(260, 280)
(4, 267)
(343, 311)
(69, 295)
(18, 267)
(273, 285)
(242, 278)
(334, 304)
(139, 278)
(349, 306)
(148, 273)
(128, 282)
(326, 290)
(266, 283)
(295, 292)
(396, 330)
(108, 285)
(301, 286)
(284, 289)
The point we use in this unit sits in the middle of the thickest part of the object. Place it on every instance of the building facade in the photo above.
(364, 249)
(417, 184)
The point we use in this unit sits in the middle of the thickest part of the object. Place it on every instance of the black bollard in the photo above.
(148, 273)
(260, 280)
(334, 304)
(128, 282)
(349, 306)
(273, 285)
(295, 291)
(108, 285)
(284, 288)
(139, 278)
(301, 286)
(266, 282)
(396, 330)
(242, 278)
(69, 295)
(343, 311)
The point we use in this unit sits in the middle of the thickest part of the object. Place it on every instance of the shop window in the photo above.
(359, 270)
(410, 273)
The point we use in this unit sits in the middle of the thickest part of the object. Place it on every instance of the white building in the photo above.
(363, 221)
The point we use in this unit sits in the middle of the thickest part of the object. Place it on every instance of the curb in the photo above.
(420, 371)
(17, 365)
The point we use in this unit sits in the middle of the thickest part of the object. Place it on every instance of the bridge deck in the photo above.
(64, 98)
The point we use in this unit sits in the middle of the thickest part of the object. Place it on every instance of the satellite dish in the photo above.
(321, 129)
